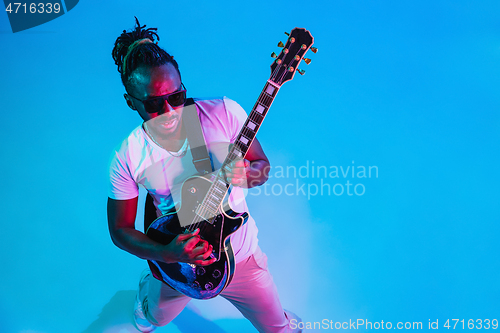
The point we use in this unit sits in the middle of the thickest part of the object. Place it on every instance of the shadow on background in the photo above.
(116, 317)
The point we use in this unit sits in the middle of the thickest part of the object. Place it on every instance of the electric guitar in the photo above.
(203, 199)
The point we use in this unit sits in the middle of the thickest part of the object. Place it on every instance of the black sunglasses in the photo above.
(157, 104)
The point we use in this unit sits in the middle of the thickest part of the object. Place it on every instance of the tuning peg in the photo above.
(314, 49)
(301, 71)
(286, 33)
(307, 60)
(273, 55)
(280, 44)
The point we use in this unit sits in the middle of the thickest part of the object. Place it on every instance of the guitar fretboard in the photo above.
(209, 207)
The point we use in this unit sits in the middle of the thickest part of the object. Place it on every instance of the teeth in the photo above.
(169, 123)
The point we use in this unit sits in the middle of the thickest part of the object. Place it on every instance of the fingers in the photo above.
(202, 248)
(240, 163)
(202, 260)
(237, 181)
(205, 262)
(238, 174)
(194, 248)
(200, 253)
(183, 237)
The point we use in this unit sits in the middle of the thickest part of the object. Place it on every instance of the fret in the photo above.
(260, 108)
(240, 146)
(220, 181)
(251, 125)
(254, 116)
(238, 153)
(219, 197)
(209, 205)
(248, 133)
(270, 90)
(244, 140)
(266, 100)
(212, 204)
(220, 193)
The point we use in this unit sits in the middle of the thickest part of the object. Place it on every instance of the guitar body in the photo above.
(200, 282)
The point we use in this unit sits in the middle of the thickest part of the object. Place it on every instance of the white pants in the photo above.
(252, 291)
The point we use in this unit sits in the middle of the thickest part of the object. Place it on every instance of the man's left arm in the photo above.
(251, 171)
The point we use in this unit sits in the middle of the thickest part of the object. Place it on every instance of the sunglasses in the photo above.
(157, 104)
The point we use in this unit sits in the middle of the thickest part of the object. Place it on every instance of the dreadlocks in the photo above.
(138, 48)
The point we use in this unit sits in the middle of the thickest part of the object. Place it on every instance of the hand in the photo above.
(189, 248)
(238, 174)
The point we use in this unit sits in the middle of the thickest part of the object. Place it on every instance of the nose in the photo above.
(166, 108)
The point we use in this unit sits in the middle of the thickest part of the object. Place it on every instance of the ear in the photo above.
(129, 102)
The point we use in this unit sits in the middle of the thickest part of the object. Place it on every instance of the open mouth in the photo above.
(168, 124)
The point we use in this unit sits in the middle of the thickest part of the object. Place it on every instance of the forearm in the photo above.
(186, 247)
(257, 173)
(138, 244)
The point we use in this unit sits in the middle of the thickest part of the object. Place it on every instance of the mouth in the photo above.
(168, 123)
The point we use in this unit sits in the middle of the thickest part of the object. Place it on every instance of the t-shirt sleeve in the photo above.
(236, 116)
(121, 184)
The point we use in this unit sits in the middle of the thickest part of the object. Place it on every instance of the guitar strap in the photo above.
(194, 133)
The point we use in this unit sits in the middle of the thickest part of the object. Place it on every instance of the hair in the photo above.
(142, 54)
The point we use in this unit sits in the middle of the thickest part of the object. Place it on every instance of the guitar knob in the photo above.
(216, 274)
(196, 285)
(192, 190)
(200, 270)
(209, 286)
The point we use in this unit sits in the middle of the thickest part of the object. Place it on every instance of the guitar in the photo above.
(203, 198)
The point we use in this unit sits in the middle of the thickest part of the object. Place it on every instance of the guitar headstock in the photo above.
(284, 67)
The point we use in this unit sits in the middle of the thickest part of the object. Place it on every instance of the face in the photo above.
(153, 82)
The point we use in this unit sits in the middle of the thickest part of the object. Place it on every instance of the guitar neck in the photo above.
(252, 124)
(215, 196)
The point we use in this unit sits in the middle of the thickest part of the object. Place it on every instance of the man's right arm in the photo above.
(183, 248)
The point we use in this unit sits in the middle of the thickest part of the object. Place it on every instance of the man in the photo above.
(156, 155)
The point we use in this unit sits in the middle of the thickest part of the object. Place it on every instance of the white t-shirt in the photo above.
(140, 161)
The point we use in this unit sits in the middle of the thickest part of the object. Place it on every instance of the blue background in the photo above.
(410, 87)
